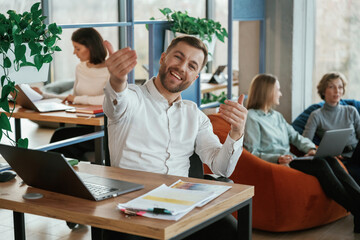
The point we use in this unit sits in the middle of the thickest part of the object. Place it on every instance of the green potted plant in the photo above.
(19, 32)
(211, 97)
(203, 28)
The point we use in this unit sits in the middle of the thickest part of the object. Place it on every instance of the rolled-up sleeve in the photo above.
(221, 158)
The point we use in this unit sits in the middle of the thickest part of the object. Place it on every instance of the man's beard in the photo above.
(162, 74)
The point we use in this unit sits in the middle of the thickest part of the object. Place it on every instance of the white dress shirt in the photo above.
(147, 134)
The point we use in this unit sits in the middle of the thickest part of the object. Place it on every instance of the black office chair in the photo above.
(196, 170)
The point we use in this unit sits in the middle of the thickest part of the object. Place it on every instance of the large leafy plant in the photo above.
(17, 32)
(203, 27)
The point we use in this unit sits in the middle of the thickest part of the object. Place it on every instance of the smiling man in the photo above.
(151, 128)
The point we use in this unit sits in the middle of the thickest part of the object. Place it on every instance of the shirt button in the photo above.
(115, 102)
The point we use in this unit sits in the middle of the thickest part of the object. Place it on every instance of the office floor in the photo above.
(53, 229)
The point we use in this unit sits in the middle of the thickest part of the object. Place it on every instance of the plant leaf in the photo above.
(2, 30)
(23, 143)
(24, 64)
(5, 46)
(54, 29)
(14, 16)
(47, 58)
(50, 41)
(20, 52)
(4, 122)
(17, 39)
(35, 7)
(37, 14)
(165, 11)
(38, 60)
(5, 91)
(23, 24)
(57, 48)
(7, 62)
(3, 80)
(15, 29)
(224, 32)
(34, 48)
(4, 104)
(30, 34)
(219, 36)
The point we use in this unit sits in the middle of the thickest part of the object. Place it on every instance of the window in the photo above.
(17, 5)
(221, 15)
(76, 12)
(337, 43)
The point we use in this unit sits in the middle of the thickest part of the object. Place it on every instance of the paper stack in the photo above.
(90, 111)
(174, 202)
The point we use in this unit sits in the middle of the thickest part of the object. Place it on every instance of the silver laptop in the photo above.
(26, 100)
(50, 171)
(332, 144)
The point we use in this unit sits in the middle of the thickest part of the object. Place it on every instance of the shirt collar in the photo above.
(260, 112)
(331, 108)
(150, 85)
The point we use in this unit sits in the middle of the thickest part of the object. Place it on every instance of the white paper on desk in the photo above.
(213, 190)
(31, 93)
(174, 200)
(38, 98)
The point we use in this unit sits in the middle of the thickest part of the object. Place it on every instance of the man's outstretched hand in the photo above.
(235, 113)
(119, 64)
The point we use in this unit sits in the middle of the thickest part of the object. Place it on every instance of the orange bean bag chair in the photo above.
(285, 199)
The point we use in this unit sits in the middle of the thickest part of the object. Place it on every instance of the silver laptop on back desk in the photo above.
(332, 144)
(44, 105)
(50, 171)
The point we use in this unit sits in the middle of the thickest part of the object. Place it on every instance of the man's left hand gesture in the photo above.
(234, 113)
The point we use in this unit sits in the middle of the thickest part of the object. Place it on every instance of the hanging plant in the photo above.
(19, 31)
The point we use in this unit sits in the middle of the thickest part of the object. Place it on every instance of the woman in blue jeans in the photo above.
(268, 136)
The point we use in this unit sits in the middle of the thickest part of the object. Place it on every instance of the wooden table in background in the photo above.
(104, 215)
(210, 87)
(61, 117)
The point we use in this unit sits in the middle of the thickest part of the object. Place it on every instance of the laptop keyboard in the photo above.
(98, 189)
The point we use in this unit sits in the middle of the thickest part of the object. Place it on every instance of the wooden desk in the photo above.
(103, 214)
(210, 87)
(61, 117)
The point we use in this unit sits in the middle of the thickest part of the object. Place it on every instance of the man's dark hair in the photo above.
(91, 39)
(192, 41)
